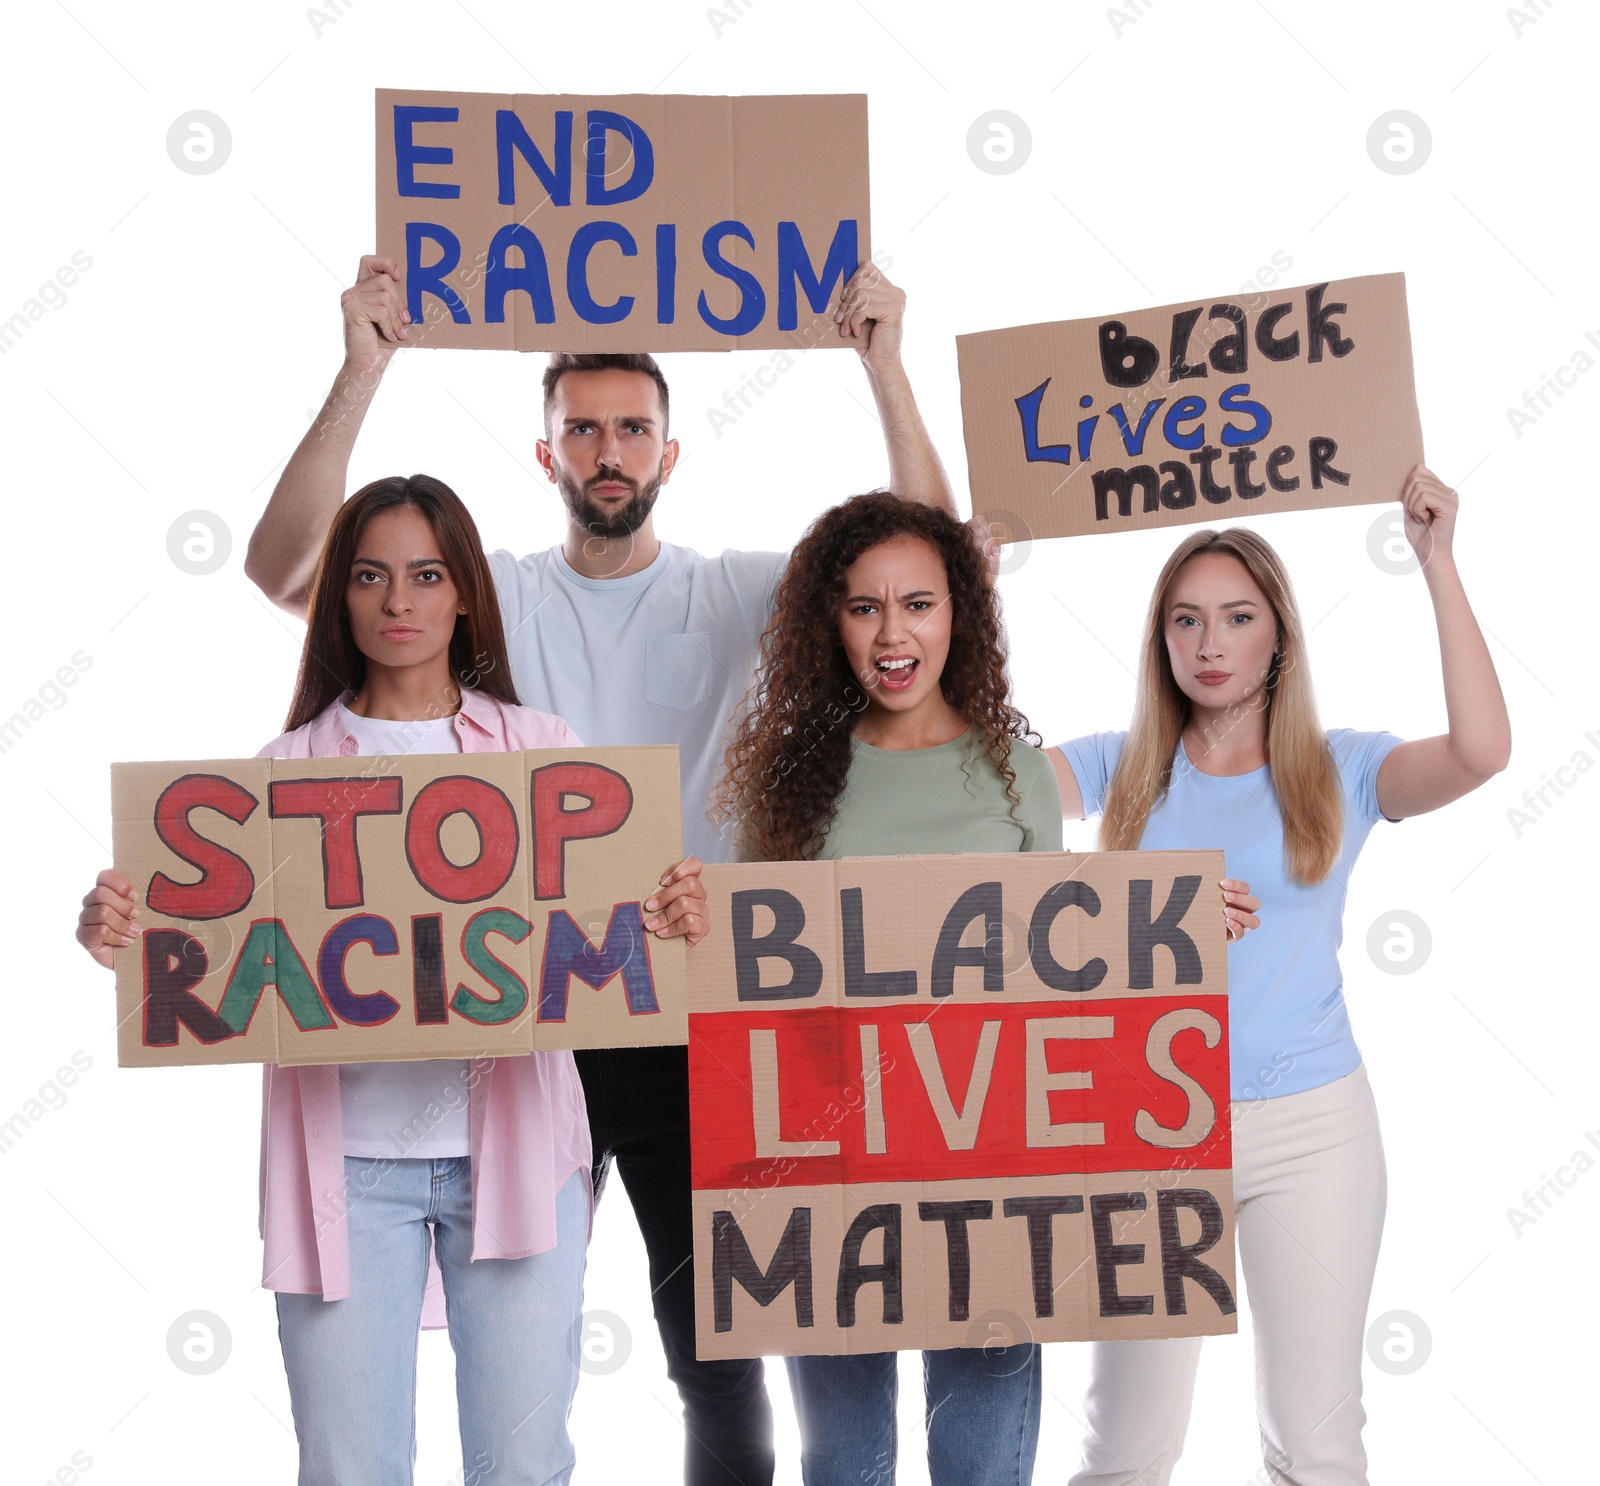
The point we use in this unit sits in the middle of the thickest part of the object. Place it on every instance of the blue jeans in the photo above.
(514, 1325)
(983, 1416)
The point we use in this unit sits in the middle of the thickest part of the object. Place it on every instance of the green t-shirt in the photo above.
(899, 802)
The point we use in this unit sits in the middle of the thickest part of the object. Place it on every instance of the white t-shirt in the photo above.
(662, 656)
(404, 1110)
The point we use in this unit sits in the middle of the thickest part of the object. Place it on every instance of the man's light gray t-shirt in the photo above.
(663, 656)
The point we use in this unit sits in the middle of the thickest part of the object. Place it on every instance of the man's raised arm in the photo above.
(284, 547)
(872, 306)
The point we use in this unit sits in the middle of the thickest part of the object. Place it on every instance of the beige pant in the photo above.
(1309, 1190)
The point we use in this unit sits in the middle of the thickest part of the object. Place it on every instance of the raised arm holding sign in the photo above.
(631, 639)
(1225, 749)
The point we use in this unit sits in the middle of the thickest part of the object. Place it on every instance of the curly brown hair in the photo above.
(805, 701)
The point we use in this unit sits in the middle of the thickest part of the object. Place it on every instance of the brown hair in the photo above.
(330, 663)
(803, 708)
(562, 362)
(1303, 773)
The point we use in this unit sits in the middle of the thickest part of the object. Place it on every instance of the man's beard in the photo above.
(622, 521)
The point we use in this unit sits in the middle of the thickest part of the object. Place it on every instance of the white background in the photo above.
(1175, 149)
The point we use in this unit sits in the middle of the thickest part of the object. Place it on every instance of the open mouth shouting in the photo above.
(896, 672)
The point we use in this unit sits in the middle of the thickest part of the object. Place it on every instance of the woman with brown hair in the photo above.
(1226, 750)
(379, 1177)
(881, 724)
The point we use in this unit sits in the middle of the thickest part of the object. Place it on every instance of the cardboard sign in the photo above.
(944, 1100)
(346, 910)
(1211, 410)
(548, 222)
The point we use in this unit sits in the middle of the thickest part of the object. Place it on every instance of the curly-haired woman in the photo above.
(881, 724)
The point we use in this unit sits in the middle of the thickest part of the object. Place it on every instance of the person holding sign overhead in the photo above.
(1225, 750)
(882, 725)
(376, 1176)
(634, 641)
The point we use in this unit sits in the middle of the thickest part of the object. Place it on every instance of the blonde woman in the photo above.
(1226, 750)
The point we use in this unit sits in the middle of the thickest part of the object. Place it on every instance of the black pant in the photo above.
(639, 1116)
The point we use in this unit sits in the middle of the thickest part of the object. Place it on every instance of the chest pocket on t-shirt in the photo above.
(680, 670)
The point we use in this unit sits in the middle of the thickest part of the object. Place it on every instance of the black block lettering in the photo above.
(789, 918)
(732, 1260)
(858, 980)
(981, 898)
(955, 1216)
(1180, 1261)
(1040, 1213)
(1109, 1256)
(1073, 893)
(1144, 933)
(174, 964)
(853, 1274)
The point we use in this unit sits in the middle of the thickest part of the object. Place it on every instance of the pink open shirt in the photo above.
(529, 1130)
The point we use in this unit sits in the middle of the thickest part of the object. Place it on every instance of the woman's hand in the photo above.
(1430, 514)
(1239, 908)
(106, 922)
(1424, 773)
(679, 908)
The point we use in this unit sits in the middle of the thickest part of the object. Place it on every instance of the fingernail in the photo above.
(651, 904)
(652, 923)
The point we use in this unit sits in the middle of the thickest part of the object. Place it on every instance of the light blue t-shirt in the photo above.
(662, 656)
(1288, 1028)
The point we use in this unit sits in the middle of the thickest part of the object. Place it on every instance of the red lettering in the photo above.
(610, 802)
(495, 821)
(336, 804)
(226, 883)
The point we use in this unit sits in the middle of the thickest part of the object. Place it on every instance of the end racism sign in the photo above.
(936, 1096)
(344, 910)
(1193, 412)
(543, 222)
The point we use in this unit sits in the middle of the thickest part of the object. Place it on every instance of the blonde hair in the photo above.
(1303, 773)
